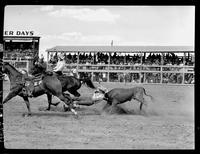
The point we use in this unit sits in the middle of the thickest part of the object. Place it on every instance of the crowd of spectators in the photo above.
(134, 60)
(18, 54)
(117, 59)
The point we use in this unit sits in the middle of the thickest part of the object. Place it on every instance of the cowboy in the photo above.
(96, 97)
(41, 64)
(60, 65)
(39, 67)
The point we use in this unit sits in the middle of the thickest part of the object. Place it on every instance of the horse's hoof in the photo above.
(143, 113)
(47, 109)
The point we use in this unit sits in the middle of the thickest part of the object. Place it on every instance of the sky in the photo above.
(99, 25)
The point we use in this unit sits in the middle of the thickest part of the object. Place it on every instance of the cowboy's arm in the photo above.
(56, 68)
(60, 67)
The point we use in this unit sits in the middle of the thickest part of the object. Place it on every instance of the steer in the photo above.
(121, 95)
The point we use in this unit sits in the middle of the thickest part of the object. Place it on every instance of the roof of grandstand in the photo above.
(121, 49)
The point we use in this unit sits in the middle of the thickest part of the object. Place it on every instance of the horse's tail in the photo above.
(88, 82)
(152, 99)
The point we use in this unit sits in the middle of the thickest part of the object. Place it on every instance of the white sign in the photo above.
(18, 33)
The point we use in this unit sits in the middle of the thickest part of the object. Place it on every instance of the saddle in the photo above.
(30, 82)
(50, 73)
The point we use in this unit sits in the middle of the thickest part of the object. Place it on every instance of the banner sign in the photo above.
(18, 33)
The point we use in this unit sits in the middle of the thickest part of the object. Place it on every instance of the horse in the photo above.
(69, 83)
(122, 95)
(18, 80)
(17, 86)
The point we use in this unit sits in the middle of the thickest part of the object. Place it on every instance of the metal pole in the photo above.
(140, 67)
(48, 60)
(125, 59)
(162, 59)
(141, 58)
(183, 68)
(77, 62)
(109, 67)
(184, 58)
(161, 74)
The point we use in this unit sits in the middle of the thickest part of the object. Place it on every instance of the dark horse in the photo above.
(121, 95)
(69, 83)
(50, 85)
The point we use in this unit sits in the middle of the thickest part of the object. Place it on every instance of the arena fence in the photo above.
(142, 74)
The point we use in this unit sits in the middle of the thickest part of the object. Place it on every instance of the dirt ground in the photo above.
(168, 123)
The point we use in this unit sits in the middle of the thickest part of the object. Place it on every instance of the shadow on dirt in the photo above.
(157, 108)
(59, 111)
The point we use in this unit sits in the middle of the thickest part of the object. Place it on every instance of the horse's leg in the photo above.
(14, 92)
(65, 100)
(49, 97)
(54, 87)
(9, 96)
(27, 105)
(114, 103)
(75, 93)
(142, 102)
(55, 104)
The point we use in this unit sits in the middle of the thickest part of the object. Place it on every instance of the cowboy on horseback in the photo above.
(60, 65)
(39, 66)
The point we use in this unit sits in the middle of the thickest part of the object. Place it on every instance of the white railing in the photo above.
(161, 74)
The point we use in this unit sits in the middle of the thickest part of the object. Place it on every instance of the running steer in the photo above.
(121, 95)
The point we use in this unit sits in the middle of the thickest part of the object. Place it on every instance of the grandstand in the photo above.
(20, 50)
(138, 64)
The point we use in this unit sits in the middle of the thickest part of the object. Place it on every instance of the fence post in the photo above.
(161, 74)
(183, 74)
(27, 67)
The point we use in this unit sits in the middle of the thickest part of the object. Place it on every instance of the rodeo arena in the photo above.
(104, 97)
